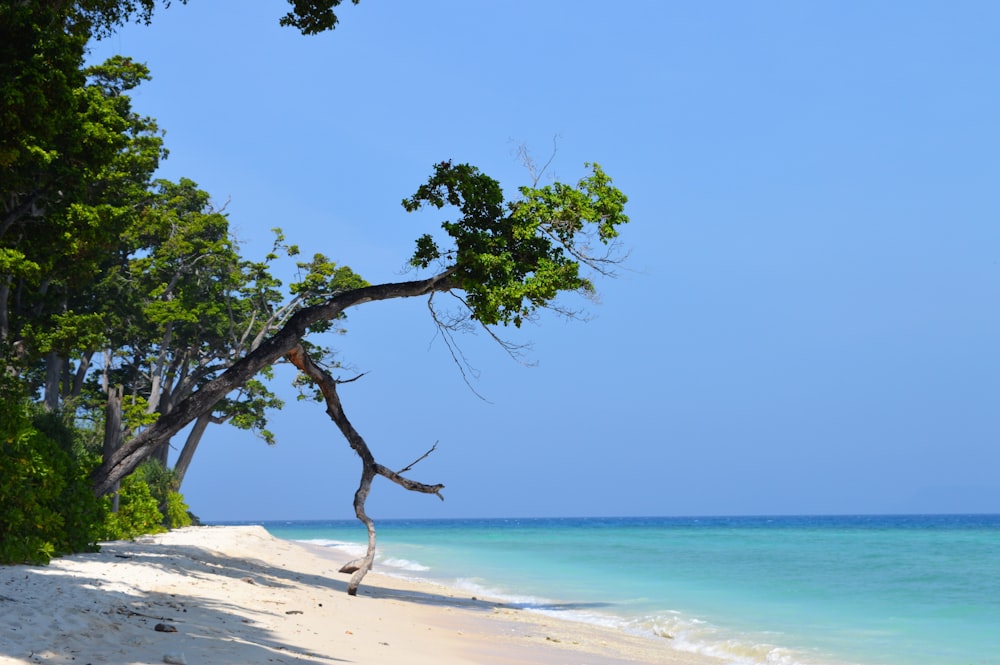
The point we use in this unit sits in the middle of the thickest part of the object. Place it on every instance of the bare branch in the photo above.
(445, 329)
(612, 256)
(515, 351)
(406, 483)
(418, 460)
(523, 155)
(213, 210)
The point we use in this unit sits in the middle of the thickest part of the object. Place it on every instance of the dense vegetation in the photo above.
(127, 312)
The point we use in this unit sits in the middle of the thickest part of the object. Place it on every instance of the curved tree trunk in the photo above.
(124, 460)
(369, 467)
(360, 567)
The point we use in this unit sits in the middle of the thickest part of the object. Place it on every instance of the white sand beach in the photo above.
(220, 595)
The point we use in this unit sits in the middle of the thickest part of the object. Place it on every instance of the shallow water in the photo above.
(866, 590)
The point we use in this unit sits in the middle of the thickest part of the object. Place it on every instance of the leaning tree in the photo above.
(502, 259)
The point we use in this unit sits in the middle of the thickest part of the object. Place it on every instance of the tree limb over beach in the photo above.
(506, 259)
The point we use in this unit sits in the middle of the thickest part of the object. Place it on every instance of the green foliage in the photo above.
(161, 482)
(101, 17)
(177, 513)
(76, 161)
(65, 332)
(157, 477)
(247, 411)
(135, 413)
(512, 258)
(138, 512)
(312, 16)
(46, 506)
(39, 70)
(321, 279)
(81, 511)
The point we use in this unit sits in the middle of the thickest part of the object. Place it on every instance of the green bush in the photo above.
(177, 514)
(137, 514)
(170, 503)
(46, 506)
(82, 512)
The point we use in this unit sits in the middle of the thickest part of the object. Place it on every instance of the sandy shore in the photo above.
(238, 595)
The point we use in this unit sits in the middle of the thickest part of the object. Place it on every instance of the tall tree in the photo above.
(66, 204)
(180, 306)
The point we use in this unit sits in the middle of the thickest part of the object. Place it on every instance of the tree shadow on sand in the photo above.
(64, 624)
(52, 614)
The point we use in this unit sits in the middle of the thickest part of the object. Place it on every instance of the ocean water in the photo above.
(863, 590)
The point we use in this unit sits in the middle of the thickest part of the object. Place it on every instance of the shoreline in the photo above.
(236, 594)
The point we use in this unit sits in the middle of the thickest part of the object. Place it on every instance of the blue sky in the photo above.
(808, 320)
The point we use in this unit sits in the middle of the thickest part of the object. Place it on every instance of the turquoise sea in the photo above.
(864, 590)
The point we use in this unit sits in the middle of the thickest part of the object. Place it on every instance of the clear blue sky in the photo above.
(810, 317)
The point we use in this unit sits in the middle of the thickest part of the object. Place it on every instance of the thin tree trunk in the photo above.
(17, 210)
(81, 374)
(160, 453)
(53, 372)
(113, 432)
(156, 372)
(190, 445)
(66, 380)
(4, 313)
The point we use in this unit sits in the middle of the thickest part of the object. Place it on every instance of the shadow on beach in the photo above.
(65, 612)
(50, 614)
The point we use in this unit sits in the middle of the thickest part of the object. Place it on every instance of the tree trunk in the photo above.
(4, 313)
(124, 460)
(369, 468)
(156, 387)
(66, 380)
(53, 372)
(360, 567)
(190, 445)
(113, 433)
(81, 374)
(156, 402)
